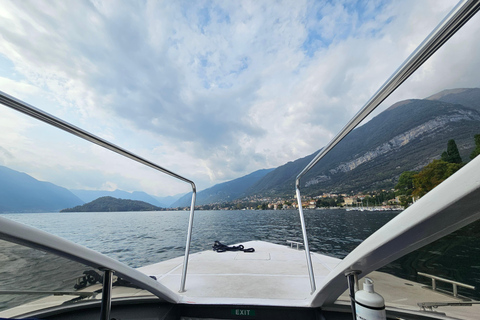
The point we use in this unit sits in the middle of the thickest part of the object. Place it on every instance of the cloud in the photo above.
(5, 156)
(216, 90)
(109, 186)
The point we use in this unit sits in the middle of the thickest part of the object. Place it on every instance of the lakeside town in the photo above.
(383, 200)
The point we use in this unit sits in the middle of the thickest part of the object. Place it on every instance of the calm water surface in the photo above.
(142, 238)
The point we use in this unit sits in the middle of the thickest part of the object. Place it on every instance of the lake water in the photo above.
(142, 238)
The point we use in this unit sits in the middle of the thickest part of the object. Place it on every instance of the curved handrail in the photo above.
(459, 15)
(36, 113)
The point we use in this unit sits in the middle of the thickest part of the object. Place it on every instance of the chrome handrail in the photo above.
(298, 244)
(455, 284)
(431, 305)
(459, 15)
(36, 113)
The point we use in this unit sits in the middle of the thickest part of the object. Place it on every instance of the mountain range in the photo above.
(90, 195)
(406, 136)
(222, 192)
(20, 192)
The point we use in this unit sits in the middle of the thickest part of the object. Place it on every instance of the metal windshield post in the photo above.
(352, 280)
(106, 295)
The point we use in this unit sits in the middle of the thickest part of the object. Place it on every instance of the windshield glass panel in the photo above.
(455, 257)
(29, 277)
(32, 280)
(453, 262)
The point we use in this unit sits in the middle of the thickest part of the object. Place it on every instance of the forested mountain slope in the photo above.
(226, 191)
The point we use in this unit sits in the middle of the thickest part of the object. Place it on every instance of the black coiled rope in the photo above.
(220, 247)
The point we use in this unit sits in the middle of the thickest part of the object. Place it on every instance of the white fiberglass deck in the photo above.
(272, 275)
(277, 275)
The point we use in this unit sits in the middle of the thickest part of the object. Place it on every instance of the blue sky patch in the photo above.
(358, 13)
(7, 69)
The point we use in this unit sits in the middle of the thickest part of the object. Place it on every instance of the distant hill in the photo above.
(110, 204)
(20, 192)
(90, 195)
(222, 192)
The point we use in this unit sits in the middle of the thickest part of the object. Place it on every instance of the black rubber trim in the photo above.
(365, 306)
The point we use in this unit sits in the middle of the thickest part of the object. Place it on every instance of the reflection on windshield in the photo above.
(406, 283)
(455, 257)
(31, 280)
(25, 269)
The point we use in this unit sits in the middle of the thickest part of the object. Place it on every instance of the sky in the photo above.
(211, 90)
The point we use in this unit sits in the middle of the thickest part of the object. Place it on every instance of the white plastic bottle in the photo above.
(369, 305)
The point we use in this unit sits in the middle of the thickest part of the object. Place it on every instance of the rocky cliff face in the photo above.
(428, 128)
